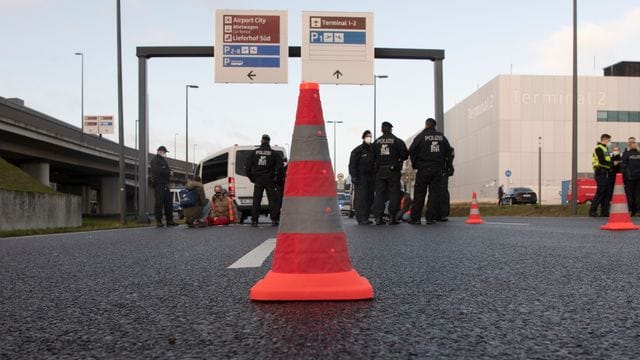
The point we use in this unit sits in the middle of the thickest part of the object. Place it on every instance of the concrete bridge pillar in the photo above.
(109, 195)
(37, 170)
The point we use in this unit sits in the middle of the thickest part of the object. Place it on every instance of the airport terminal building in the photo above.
(501, 128)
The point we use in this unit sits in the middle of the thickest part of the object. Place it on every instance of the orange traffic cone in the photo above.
(474, 212)
(619, 218)
(311, 258)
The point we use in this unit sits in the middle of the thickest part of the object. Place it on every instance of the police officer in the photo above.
(160, 174)
(631, 170)
(602, 165)
(389, 152)
(429, 151)
(361, 171)
(263, 166)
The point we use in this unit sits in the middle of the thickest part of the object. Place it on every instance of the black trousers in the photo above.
(163, 201)
(387, 185)
(364, 196)
(632, 188)
(262, 184)
(427, 180)
(602, 197)
(279, 197)
(443, 205)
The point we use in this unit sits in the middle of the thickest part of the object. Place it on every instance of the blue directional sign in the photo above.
(507, 173)
(251, 50)
(338, 37)
(262, 62)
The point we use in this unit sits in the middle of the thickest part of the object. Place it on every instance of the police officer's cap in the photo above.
(163, 148)
(366, 133)
(387, 124)
(266, 137)
(431, 122)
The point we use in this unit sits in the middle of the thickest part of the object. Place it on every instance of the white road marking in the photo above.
(504, 223)
(255, 257)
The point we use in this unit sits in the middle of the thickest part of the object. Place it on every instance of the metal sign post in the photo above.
(145, 53)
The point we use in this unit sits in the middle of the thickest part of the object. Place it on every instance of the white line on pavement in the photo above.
(504, 223)
(255, 257)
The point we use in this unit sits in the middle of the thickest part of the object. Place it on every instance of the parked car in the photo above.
(344, 203)
(586, 190)
(519, 195)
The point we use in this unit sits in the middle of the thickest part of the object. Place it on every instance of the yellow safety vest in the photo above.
(594, 158)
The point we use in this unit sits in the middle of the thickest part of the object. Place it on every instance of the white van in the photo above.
(226, 168)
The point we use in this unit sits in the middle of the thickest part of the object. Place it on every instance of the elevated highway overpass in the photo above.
(60, 155)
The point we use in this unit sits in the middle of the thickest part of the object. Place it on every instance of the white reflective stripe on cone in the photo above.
(619, 208)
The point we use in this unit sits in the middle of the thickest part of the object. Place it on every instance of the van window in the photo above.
(241, 159)
(215, 169)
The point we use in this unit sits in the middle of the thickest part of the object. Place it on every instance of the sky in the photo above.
(481, 39)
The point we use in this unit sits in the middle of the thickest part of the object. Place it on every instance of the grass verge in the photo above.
(89, 223)
(520, 210)
(13, 178)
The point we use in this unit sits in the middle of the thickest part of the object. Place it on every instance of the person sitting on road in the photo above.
(223, 209)
(196, 214)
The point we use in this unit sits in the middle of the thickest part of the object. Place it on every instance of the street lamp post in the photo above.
(574, 114)
(540, 170)
(186, 135)
(81, 91)
(375, 77)
(194, 158)
(335, 171)
(175, 145)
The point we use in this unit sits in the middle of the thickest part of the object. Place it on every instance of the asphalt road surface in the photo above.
(511, 288)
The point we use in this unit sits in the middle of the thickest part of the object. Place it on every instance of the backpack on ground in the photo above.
(188, 198)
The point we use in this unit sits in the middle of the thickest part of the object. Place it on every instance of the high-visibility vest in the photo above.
(594, 158)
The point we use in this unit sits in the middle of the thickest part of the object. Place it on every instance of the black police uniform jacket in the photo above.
(263, 162)
(160, 170)
(389, 152)
(430, 150)
(631, 164)
(361, 161)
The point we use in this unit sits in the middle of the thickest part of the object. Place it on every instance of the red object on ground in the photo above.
(586, 190)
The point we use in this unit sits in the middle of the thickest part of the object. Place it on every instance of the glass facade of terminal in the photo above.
(618, 116)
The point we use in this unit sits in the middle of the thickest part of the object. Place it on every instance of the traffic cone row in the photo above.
(619, 218)
(311, 258)
(474, 212)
